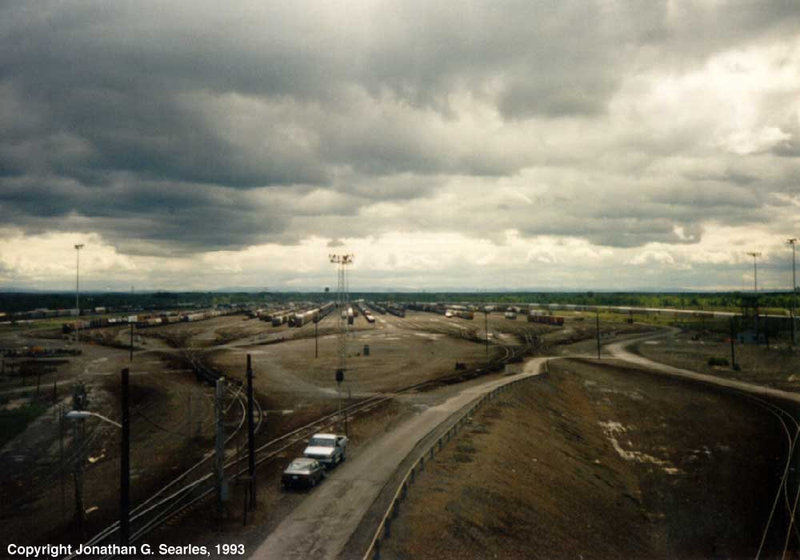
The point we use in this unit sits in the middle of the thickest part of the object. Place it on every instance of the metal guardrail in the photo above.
(384, 529)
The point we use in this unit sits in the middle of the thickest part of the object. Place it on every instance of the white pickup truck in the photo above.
(328, 449)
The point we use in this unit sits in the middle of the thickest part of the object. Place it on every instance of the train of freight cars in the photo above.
(142, 321)
(545, 319)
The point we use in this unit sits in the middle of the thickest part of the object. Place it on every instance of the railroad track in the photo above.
(789, 497)
(188, 487)
(193, 486)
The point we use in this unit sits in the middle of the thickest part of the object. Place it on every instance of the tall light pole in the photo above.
(125, 454)
(755, 255)
(342, 305)
(793, 242)
(78, 248)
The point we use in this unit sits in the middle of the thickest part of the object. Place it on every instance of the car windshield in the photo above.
(299, 464)
(322, 442)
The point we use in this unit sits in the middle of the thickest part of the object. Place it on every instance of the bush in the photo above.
(718, 361)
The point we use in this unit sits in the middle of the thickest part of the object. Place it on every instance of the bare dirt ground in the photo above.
(777, 366)
(598, 462)
(291, 384)
(171, 423)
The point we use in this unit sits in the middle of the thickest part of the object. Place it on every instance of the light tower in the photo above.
(342, 306)
(755, 255)
(793, 243)
(78, 248)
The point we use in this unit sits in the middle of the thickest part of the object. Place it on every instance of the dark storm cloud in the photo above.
(199, 127)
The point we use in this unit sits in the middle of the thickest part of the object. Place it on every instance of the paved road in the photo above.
(619, 350)
(322, 524)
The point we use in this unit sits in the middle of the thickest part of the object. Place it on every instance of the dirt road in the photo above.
(321, 526)
(619, 350)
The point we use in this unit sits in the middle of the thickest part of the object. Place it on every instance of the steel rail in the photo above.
(783, 487)
(142, 509)
(183, 498)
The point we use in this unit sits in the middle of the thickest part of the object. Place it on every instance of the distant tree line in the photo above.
(11, 302)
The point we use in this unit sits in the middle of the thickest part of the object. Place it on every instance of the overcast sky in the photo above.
(562, 144)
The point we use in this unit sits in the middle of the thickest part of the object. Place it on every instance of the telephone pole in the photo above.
(597, 330)
(219, 457)
(486, 328)
(251, 437)
(125, 462)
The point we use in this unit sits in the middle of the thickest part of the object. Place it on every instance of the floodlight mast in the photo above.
(78, 247)
(342, 308)
(755, 255)
(793, 242)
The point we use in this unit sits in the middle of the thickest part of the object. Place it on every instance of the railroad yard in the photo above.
(580, 450)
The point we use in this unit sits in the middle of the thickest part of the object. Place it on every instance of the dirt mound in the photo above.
(597, 462)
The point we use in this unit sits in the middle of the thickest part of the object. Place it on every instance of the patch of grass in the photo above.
(13, 422)
(463, 457)
(465, 446)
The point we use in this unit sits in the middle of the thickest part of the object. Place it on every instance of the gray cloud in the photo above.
(181, 128)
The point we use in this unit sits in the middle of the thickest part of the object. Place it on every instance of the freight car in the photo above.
(545, 319)
(396, 310)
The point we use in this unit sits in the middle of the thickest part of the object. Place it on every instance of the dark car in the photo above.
(303, 472)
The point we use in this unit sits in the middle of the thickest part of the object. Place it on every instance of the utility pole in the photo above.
(79, 402)
(125, 464)
(61, 460)
(316, 337)
(219, 457)
(597, 328)
(486, 328)
(793, 243)
(251, 438)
